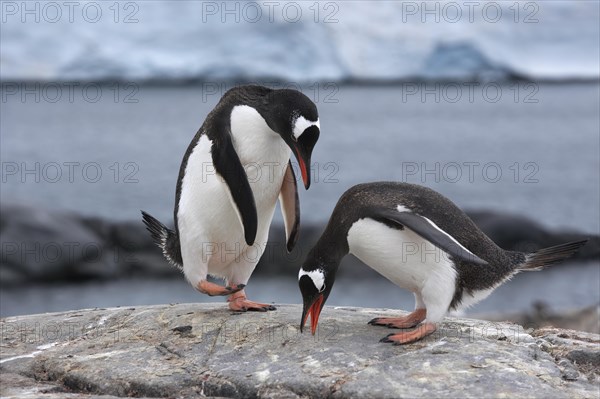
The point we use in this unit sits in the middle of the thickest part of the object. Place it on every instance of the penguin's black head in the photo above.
(315, 286)
(295, 118)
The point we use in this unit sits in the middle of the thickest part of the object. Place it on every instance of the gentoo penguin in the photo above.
(234, 170)
(421, 241)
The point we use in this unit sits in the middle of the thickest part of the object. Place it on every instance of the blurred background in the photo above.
(494, 104)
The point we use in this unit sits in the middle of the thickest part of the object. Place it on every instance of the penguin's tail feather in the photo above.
(548, 256)
(166, 239)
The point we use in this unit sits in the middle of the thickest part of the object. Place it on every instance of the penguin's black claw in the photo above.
(409, 337)
(409, 321)
(386, 339)
(262, 308)
(377, 322)
(242, 304)
(237, 288)
(257, 309)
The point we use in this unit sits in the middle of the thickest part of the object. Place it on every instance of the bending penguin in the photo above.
(420, 241)
(234, 170)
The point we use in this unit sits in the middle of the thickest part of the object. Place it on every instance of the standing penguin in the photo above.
(233, 172)
(420, 241)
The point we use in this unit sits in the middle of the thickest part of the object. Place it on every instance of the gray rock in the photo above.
(190, 350)
(542, 315)
(519, 233)
(131, 235)
(585, 357)
(148, 263)
(568, 370)
(575, 349)
(45, 245)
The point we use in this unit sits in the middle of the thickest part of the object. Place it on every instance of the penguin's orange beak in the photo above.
(314, 311)
(304, 163)
(303, 150)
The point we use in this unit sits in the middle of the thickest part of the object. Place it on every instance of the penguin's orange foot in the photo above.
(417, 334)
(239, 303)
(212, 289)
(408, 321)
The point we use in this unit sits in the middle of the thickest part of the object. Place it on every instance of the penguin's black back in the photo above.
(357, 203)
(216, 127)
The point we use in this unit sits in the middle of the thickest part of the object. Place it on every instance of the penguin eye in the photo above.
(322, 288)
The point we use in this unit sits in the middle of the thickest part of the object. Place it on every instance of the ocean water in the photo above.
(525, 148)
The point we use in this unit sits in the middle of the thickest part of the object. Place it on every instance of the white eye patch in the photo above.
(301, 124)
(317, 277)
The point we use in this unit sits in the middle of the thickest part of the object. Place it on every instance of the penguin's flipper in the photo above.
(228, 165)
(426, 229)
(290, 207)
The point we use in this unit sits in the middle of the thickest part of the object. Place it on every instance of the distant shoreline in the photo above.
(51, 246)
(275, 82)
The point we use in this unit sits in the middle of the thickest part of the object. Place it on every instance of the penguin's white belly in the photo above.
(402, 256)
(211, 232)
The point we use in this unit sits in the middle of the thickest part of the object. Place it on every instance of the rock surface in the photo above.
(542, 315)
(190, 350)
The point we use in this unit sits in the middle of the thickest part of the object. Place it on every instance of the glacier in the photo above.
(302, 41)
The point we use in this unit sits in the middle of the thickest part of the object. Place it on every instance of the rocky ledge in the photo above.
(191, 350)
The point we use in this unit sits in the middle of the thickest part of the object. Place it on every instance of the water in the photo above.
(112, 159)
(563, 287)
